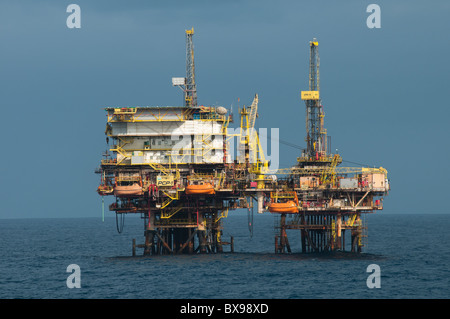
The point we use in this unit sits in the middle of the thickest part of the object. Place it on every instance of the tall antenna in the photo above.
(190, 95)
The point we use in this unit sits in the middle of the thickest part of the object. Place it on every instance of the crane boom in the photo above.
(253, 112)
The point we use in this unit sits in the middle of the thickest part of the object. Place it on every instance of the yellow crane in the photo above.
(254, 154)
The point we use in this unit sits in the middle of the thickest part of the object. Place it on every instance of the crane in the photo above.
(253, 112)
(249, 138)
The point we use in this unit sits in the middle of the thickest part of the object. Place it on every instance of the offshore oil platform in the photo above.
(175, 167)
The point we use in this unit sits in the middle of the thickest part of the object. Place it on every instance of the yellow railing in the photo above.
(338, 170)
(223, 214)
(351, 220)
(169, 214)
(169, 199)
(277, 195)
(125, 110)
(200, 176)
(159, 167)
(178, 221)
(128, 179)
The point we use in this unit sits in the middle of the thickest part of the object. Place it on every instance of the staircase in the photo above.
(330, 171)
(159, 167)
(169, 199)
(166, 214)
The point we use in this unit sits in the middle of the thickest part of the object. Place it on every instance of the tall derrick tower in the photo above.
(318, 146)
(191, 88)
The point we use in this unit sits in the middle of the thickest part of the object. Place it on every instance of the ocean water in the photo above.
(412, 251)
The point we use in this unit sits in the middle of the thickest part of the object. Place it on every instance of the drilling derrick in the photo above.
(315, 135)
(317, 143)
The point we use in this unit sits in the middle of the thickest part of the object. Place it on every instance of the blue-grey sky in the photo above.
(385, 91)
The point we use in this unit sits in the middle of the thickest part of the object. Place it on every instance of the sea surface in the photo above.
(412, 252)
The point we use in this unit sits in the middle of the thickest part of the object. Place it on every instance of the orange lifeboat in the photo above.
(284, 203)
(104, 190)
(289, 207)
(129, 190)
(200, 189)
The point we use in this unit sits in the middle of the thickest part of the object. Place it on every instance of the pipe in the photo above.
(103, 209)
(260, 198)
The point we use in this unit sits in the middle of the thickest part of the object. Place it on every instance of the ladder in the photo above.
(198, 148)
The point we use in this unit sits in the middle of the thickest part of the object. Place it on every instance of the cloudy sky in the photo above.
(385, 91)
